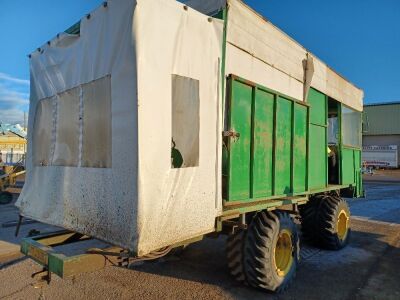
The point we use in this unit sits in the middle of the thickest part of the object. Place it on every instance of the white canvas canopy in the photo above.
(125, 117)
(104, 106)
(260, 52)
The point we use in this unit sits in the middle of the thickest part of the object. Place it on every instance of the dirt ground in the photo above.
(367, 269)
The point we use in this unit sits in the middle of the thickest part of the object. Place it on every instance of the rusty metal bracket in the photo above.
(44, 275)
(231, 134)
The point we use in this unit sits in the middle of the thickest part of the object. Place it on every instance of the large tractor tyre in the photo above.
(234, 253)
(271, 251)
(309, 223)
(326, 220)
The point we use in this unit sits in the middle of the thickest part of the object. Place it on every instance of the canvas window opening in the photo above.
(185, 122)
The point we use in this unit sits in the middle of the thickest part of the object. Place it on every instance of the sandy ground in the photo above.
(367, 269)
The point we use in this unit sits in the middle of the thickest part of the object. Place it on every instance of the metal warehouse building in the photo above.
(382, 125)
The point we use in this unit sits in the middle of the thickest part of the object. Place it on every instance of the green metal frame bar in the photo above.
(223, 63)
(41, 249)
(291, 148)
(326, 140)
(271, 204)
(74, 29)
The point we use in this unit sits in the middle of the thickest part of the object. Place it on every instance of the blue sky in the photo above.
(360, 39)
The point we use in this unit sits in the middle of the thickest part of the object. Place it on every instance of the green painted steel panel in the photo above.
(262, 145)
(299, 148)
(239, 154)
(357, 173)
(317, 172)
(74, 29)
(318, 103)
(282, 178)
(347, 161)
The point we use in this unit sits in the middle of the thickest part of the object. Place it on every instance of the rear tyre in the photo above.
(234, 253)
(326, 221)
(271, 251)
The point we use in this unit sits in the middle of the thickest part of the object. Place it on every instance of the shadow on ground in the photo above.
(366, 269)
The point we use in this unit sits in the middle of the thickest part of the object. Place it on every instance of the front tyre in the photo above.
(271, 251)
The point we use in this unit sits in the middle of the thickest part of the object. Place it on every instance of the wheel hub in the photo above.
(342, 225)
(283, 253)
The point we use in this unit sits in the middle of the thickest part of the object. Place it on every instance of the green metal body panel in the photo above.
(239, 150)
(357, 172)
(318, 111)
(318, 171)
(351, 169)
(300, 149)
(277, 147)
(318, 151)
(262, 146)
(283, 147)
(74, 29)
(347, 162)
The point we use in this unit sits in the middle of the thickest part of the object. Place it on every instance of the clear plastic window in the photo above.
(66, 152)
(96, 144)
(351, 127)
(81, 114)
(333, 130)
(43, 132)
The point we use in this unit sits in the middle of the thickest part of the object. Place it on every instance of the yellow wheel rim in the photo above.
(283, 253)
(342, 225)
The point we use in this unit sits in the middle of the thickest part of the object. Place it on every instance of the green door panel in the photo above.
(263, 141)
(239, 156)
(318, 111)
(299, 148)
(283, 146)
(265, 144)
(347, 160)
(317, 172)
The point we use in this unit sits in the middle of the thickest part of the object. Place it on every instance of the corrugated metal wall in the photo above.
(382, 140)
(382, 119)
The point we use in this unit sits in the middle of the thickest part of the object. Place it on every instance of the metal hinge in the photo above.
(232, 134)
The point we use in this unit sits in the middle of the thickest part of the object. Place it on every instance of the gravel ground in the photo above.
(366, 269)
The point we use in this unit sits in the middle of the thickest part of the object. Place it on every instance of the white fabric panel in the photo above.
(257, 37)
(176, 204)
(101, 202)
(248, 67)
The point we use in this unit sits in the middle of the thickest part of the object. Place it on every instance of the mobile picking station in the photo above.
(154, 123)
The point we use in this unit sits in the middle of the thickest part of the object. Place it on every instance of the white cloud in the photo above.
(14, 98)
(12, 116)
(12, 79)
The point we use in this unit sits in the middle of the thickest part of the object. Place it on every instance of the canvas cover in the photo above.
(103, 108)
(125, 120)
(260, 52)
